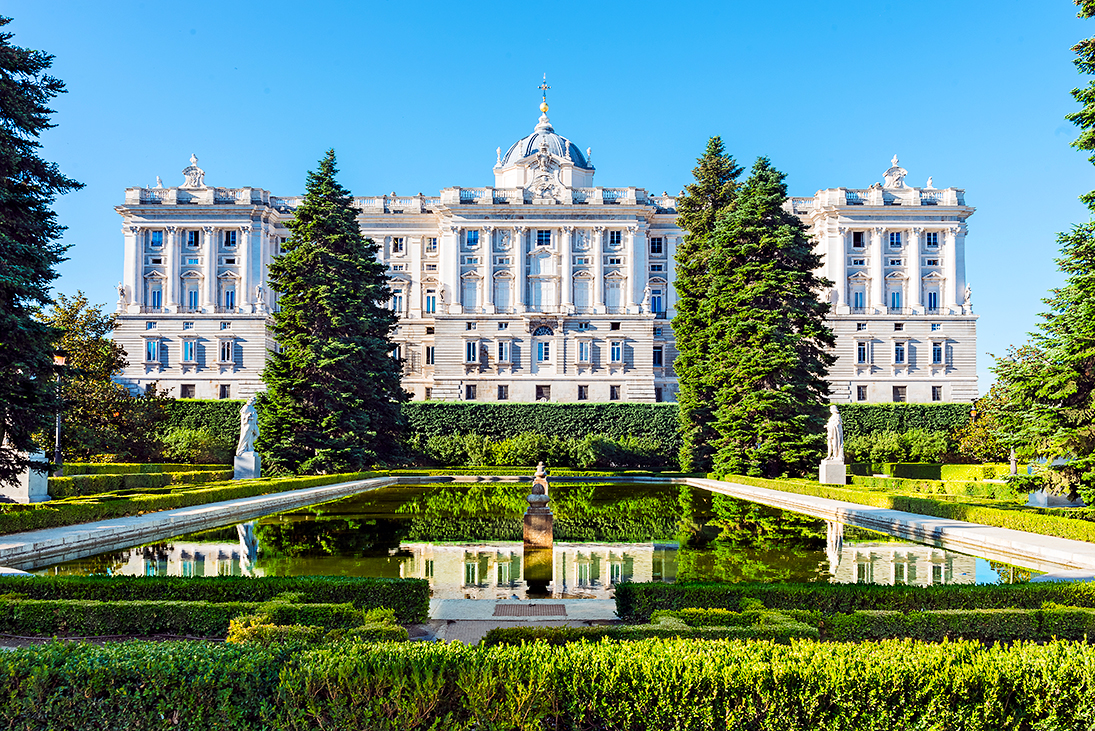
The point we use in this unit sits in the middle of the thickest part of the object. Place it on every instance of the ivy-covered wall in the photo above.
(656, 421)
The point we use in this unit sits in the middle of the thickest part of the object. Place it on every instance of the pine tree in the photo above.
(697, 211)
(769, 344)
(1049, 384)
(29, 252)
(333, 389)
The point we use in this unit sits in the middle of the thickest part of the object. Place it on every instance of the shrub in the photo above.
(254, 630)
(198, 446)
(864, 419)
(409, 599)
(120, 468)
(986, 625)
(637, 601)
(95, 484)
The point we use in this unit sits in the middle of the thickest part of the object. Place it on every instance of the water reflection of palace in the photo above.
(495, 570)
(902, 563)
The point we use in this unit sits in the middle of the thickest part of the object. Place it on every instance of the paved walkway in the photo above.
(33, 549)
(1028, 550)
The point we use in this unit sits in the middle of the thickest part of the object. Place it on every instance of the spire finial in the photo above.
(543, 87)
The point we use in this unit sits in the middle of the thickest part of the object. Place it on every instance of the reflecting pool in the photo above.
(465, 539)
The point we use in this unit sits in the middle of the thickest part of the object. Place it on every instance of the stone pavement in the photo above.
(33, 549)
(468, 620)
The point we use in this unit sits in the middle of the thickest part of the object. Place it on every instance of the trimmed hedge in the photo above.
(638, 601)
(16, 517)
(94, 484)
(978, 489)
(655, 685)
(409, 598)
(221, 417)
(1015, 517)
(864, 419)
(126, 468)
(986, 625)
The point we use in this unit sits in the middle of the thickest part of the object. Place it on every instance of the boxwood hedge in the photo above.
(93, 484)
(125, 468)
(653, 685)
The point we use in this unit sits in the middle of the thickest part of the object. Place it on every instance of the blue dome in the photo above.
(556, 144)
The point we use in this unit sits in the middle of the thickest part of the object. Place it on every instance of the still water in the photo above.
(465, 539)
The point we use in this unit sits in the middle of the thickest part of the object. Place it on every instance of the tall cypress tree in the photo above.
(767, 334)
(697, 211)
(29, 252)
(333, 389)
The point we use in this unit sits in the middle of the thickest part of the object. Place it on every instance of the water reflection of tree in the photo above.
(329, 537)
(1011, 574)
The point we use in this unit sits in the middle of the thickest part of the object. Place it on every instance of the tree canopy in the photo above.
(333, 387)
(29, 251)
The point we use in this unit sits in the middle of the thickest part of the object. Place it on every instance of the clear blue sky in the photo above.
(417, 97)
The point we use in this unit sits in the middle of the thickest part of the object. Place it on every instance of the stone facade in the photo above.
(541, 288)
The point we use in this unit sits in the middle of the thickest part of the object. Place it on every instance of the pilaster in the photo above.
(566, 274)
(838, 268)
(486, 268)
(916, 289)
(246, 295)
(209, 269)
(450, 269)
(520, 264)
(134, 267)
(599, 269)
(878, 292)
(172, 268)
(640, 272)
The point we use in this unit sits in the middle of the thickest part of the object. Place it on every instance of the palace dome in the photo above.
(556, 144)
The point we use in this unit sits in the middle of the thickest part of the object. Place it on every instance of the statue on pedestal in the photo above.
(248, 463)
(835, 429)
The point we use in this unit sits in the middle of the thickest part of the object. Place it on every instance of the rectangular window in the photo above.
(898, 326)
(503, 326)
(931, 238)
(858, 300)
(895, 239)
(613, 393)
(471, 238)
(471, 261)
(192, 239)
(230, 298)
(860, 326)
(583, 326)
(431, 301)
(231, 261)
(229, 238)
(397, 300)
(431, 245)
(859, 262)
(152, 351)
(503, 351)
(583, 351)
(937, 393)
(469, 325)
(933, 300)
(862, 352)
(895, 262)
(614, 260)
(656, 301)
(429, 330)
(469, 392)
(226, 351)
(194, 261)
(543, 393)
(188, 326)
(658, 394)
(431, 267)
(614, 238)
(503, 393)
(429, 355)
(543, 237)
(656, 245)
(899, 394)
(225, 390)
(613, 326)
(190, 351)
(471, 351)
(895, 300)
(398, 267)
(935, 326)
(616, 350)
(155, 238)
(543, 352)
(656, 267)
(157, 298)
(857, 239)
(397, 244)
(583, 393)
(899, 353)
(860, 393)
(186, 390)
(150, 325)
(937, 353)
(931, 262)
(397, 352)
(657, 332)
(657, 356)
(157, 260)
(226, 326)
(429, 393)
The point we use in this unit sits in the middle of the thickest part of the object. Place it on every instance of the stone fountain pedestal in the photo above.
(539, 537)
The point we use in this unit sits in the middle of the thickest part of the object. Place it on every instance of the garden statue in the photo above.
(832, 471)
(247, 462)
(539, 537)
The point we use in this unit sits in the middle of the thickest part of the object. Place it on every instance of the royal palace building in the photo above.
(543, 287)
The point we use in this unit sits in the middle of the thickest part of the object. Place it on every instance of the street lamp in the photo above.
(59, 361)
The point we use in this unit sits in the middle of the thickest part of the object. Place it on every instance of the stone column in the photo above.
(632, 280)
(449, 265)
(958, 262)
(671, 243)
(599, 269)
(134, 268)
(951, 294)
(837, 266)
(915, 293)
(172, 268)
(414, 292)
(209, 273)
(640, 271)
(878, 291)
(519, 268)
(566, 273)
(245, 297)
(486, 269)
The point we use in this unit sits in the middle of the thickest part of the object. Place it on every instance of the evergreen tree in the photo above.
(29, 252)
(697, 211)
(333, 389)
(769, 344)
(1049, 384)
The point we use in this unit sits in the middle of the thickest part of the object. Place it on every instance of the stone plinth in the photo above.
(832, 472)
(539, 530)
(537, 567)
(33, 485)
(248, 465)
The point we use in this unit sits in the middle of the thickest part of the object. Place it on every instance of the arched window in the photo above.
(543, 330)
